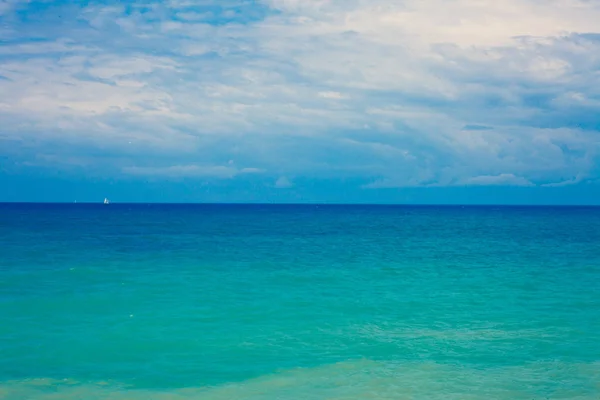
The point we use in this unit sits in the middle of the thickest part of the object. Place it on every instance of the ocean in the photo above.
(298, 302)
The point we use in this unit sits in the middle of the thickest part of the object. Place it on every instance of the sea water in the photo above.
(299, 302)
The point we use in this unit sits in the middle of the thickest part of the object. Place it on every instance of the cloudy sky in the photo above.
(418, 101)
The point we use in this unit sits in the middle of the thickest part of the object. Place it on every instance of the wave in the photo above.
(352, 380)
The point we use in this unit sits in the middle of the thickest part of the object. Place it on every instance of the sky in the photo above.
(345, 101)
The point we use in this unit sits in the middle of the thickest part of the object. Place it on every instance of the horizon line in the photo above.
(100, 203)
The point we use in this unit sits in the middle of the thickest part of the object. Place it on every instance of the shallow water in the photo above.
(299, 302)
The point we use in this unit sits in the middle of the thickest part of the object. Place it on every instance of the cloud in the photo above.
(568, 182)
(502, 179)
(196, 171)
(430, 181)
(7, 6)
(331, 95)
(475, 127)
(283, 183)
(251, 171)
(416, 93)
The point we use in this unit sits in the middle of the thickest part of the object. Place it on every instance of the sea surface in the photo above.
(298, 302)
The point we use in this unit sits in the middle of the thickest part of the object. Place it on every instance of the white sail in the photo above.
(106, 201)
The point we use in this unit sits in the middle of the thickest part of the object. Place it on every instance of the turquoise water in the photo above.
(299, 302)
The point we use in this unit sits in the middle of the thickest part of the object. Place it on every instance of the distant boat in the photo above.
(106, 201)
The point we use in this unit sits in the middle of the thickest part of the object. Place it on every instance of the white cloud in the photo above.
(462, 22)
(191, 170)
(502, 179)
(573, 181)
(252, 170)
(331, 95)
(283, 183)
(7, 6)
(411, 76)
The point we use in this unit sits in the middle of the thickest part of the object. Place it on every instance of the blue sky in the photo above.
(418, 101)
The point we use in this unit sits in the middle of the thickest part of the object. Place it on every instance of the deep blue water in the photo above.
(299, 302)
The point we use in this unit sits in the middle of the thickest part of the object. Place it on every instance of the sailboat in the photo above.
(106, 201)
